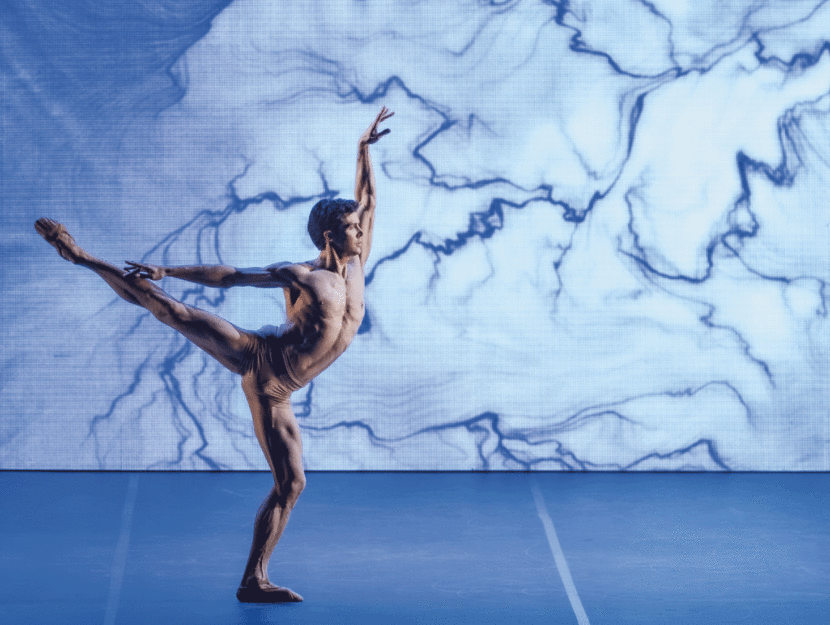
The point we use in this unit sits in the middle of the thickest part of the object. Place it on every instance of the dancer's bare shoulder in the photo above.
(294, 273)
(305, 274)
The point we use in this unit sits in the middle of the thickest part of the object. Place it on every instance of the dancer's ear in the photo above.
(333, 239)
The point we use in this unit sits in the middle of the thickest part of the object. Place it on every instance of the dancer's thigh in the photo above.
(228, 344)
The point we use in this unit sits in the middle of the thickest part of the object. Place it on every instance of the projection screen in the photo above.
(601, 243)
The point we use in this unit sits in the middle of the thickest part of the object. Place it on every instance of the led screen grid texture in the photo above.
(602, 238)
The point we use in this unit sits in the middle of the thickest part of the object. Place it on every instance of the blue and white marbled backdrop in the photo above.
(602, 238)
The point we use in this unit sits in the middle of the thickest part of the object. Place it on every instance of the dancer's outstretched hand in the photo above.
(371, 135)
(140, 270)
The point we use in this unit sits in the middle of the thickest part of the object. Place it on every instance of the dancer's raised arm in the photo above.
(364, 189)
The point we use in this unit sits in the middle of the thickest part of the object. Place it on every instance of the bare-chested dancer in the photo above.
(324, 302)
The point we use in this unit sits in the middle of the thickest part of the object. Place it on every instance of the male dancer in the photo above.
(324, 305)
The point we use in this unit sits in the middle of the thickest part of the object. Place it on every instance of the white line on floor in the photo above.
(119, 560)
(558, 555)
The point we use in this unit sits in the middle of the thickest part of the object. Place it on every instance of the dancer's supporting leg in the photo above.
(278, 433)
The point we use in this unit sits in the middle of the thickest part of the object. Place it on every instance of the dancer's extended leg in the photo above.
(219, 338)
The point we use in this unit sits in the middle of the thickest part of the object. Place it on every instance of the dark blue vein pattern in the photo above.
(602, 237)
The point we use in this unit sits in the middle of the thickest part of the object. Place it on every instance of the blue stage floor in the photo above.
(402, 548)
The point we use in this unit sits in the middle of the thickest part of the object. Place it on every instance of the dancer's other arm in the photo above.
(364, 188)
(279, 275)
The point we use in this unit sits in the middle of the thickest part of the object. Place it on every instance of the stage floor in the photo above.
(397, 548)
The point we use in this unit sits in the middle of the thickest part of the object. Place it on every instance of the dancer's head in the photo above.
(327, 216)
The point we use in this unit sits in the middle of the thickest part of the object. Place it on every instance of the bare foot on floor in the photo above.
(59, 238)
(266, 594)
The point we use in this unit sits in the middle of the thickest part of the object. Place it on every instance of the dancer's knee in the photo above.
(288, 490)
(298, 485)
(295, 489)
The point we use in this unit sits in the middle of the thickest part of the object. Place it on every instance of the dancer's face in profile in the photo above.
(348, 241)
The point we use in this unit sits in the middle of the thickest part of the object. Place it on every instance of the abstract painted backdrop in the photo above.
(602, 239)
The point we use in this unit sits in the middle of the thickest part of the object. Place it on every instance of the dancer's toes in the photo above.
(59, 238)
(49, 229)
(266, 594)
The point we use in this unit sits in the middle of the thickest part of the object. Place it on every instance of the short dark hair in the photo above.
(327, 215)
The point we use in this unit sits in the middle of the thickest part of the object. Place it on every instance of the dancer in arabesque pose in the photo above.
(324, 305)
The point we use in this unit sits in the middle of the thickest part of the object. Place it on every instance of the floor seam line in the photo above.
(119, 560)
(558, 555)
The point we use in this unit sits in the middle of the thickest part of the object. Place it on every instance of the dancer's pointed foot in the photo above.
(59, 238)
(266, 593)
